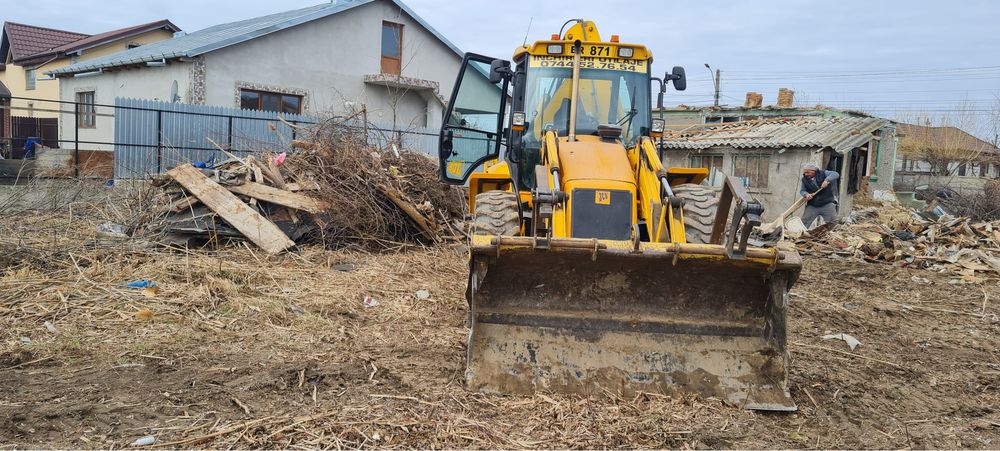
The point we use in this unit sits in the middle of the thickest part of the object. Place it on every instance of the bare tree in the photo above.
(947, 144)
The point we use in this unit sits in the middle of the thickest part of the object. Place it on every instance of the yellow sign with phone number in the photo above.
(619, 64)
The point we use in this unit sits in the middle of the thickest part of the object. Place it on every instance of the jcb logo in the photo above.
(602, 197)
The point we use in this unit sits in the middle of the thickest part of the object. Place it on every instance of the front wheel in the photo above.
(496, 214)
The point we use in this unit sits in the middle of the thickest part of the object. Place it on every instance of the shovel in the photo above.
(772, 231)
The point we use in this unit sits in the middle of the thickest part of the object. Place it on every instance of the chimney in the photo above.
(785, 98)
(754, 100)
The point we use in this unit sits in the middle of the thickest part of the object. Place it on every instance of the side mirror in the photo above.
(679, 78)
(500, 70)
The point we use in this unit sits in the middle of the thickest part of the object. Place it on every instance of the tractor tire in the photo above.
(700, 205)
(496, 214)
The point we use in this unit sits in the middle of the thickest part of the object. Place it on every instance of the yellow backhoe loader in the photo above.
(592, 267)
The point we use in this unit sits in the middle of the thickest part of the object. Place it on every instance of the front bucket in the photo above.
(588, 321)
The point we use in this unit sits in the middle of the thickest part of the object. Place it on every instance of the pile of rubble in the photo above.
(968, 249)
(336, 191)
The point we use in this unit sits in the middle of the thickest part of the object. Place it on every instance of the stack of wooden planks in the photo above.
(241, 198)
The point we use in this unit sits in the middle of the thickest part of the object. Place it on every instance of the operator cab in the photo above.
(494, 107)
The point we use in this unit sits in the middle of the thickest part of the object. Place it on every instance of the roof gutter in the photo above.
(89, 74)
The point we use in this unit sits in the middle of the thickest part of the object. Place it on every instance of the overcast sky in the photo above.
(896, 58)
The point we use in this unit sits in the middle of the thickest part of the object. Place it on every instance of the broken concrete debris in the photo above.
(890, 233)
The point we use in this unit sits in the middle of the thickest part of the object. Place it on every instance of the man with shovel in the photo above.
(821, 201)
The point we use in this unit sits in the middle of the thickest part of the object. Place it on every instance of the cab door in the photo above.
(473, 123)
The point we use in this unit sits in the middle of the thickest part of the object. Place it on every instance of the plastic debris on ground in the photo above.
(143, 283)
(851, 341)
(370, 301)
(144, 441)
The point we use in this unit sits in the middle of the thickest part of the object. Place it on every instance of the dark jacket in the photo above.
(811, 185)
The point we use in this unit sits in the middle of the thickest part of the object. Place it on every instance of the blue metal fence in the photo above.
(152, 136)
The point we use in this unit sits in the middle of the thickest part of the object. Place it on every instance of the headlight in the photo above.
(517, 119)
(658, 126)
(625, 52)
(555, 49)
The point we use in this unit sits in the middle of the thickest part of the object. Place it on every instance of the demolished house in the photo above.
(767, 154)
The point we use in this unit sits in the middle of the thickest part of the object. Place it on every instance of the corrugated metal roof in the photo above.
(838, 133)
(224, 35)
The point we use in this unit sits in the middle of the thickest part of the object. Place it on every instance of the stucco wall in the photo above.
(885, 169)
(13, 78)
(122, 44)
(146, 83)
(328, 58)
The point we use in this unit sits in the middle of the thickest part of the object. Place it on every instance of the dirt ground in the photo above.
(239, 350)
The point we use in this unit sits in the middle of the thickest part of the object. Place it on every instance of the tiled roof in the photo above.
(838, 133)
(224, 35)
(27, 41)
(109, 36)
(913, 137)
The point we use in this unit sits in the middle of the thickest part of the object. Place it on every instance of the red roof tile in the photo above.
(27, 41)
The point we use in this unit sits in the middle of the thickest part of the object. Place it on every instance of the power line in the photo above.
(862, 72)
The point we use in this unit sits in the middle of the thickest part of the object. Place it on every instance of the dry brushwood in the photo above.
(376, 199)
(978, 205)
(349, 194)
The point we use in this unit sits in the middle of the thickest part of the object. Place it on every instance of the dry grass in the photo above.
(239, 350)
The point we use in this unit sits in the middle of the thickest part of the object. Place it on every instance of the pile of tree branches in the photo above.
(378, 198)
(979, 205)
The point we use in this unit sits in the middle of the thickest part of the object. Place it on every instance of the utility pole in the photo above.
(716, 78)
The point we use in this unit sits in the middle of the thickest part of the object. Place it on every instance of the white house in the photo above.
(336, 58)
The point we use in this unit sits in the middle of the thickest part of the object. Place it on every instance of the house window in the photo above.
(270, 101)
(29, 79)
(752, 169)
(392, 48)
(86, 116)
(711, 162)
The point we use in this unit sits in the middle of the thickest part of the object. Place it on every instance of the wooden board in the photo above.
(281, 197)
(183, 204)
(251, 224)
(304, 186)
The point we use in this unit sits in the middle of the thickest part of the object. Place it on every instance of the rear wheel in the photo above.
(496, 214)
(700, 205)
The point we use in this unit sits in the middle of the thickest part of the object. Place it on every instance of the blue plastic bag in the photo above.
(143, 283)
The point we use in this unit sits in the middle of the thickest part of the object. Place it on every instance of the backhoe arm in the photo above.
(663, 224)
